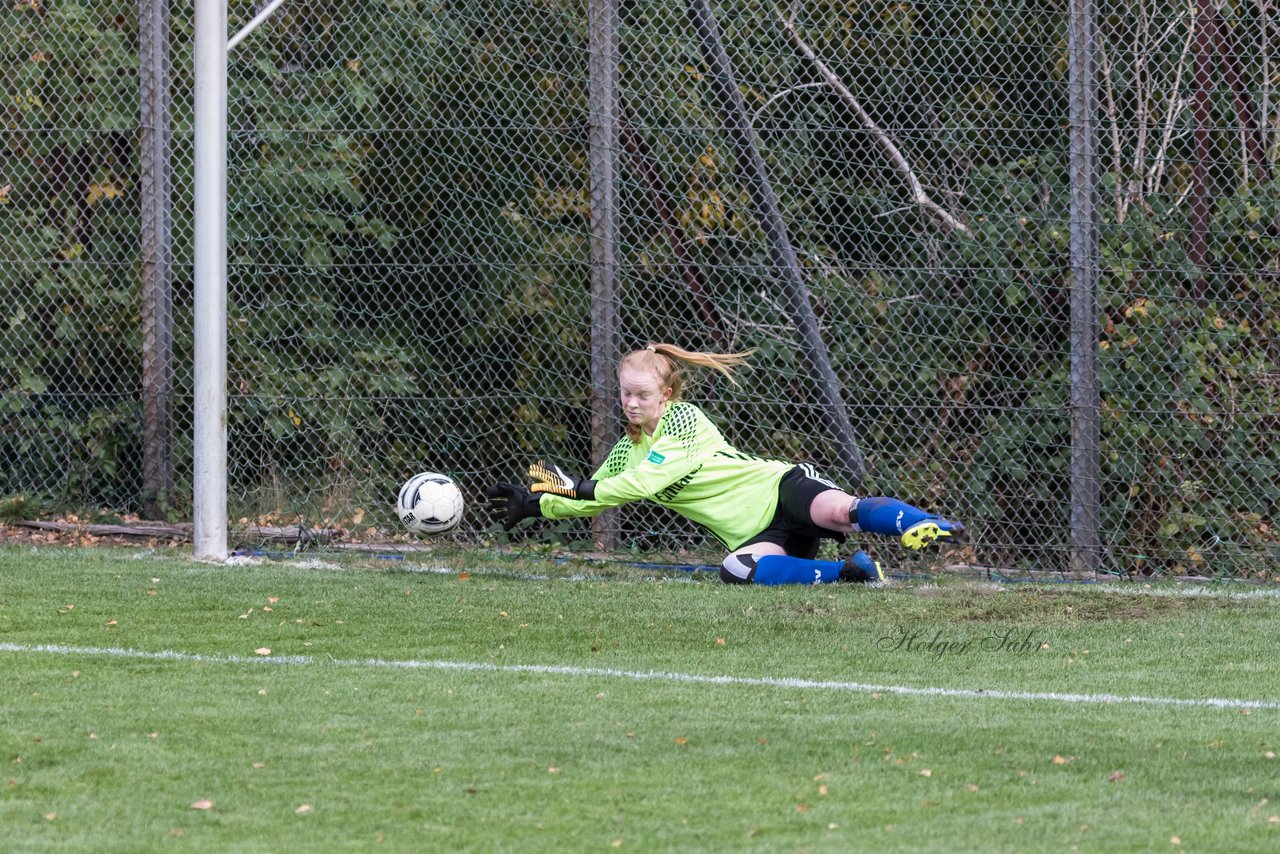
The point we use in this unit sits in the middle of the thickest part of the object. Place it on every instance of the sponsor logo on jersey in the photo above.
(656, 458)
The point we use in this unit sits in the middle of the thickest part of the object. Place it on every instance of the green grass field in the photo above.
(149, 702)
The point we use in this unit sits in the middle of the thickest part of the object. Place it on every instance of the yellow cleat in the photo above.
(926, 533)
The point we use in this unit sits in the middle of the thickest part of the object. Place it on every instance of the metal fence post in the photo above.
(1085, 396)
(603, 155)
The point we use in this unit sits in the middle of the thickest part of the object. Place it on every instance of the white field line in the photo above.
(644, 675)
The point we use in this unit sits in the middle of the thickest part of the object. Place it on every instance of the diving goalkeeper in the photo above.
(770, 514)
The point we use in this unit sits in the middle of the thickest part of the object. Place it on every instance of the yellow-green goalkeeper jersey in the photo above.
(688, 466)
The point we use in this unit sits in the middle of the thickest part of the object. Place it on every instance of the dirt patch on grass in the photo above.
(992, 602)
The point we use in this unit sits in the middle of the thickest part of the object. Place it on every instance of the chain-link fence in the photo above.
(447, 221)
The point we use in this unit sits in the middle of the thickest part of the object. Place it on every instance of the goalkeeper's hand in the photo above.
(548, 477)
(516, 500)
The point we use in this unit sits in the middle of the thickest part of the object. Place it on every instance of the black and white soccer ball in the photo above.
(430, 503)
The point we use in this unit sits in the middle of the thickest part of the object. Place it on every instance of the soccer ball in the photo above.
(429, 503)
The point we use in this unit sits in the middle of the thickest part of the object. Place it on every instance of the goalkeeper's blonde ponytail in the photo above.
(667, 361)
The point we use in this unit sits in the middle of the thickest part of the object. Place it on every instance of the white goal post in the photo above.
(209, 439)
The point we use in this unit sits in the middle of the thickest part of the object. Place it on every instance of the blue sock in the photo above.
(784, 569)
(887, 515)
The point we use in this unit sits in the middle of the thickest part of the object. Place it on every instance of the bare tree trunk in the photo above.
(784, 266)
(1198, 240)
(1250, 133)
(157, 262)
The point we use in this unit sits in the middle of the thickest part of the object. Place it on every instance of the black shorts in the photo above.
(792, 527)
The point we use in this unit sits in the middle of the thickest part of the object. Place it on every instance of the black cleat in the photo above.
(861, 569)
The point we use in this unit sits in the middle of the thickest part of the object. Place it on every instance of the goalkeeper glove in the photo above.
(548, 477)
(518, 502)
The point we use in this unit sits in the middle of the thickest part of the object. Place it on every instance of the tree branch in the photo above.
(1121, 198)
(881, 137)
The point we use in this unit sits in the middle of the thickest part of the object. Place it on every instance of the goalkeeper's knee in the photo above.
(738, 569)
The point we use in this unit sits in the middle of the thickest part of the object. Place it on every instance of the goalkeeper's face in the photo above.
(644, 398)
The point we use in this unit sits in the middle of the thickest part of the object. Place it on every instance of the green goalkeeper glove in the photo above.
(548, 477)
(516, 500)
